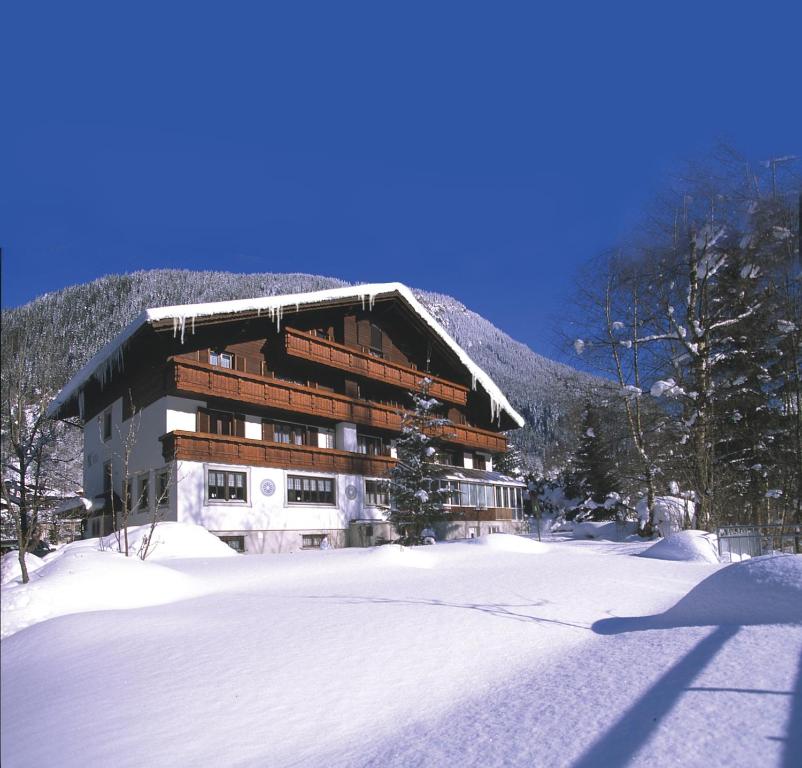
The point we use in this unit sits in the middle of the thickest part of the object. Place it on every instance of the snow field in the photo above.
(466, 653)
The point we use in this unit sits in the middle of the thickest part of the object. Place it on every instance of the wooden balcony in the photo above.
(332, 354)
(191, 377)
(226, 449)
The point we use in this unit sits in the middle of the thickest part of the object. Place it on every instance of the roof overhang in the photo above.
(184, 318)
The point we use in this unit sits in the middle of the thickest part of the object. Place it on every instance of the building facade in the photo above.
(271, 422)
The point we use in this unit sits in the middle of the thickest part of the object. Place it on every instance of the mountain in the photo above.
(80, 319)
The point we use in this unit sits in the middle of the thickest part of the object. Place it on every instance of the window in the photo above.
(143, 498)
(293, 434)
(326, 438)
(107, 471)
(312, 540)
(220, 423)
(163, 488)
(106, 425)
(222, 485)
(370, 445)
(479, 461)
(310, 490)
(223, 359)
(375, 341)
(377, 493)
(237, 543)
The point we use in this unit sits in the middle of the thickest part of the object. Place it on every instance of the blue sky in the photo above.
(480, 150)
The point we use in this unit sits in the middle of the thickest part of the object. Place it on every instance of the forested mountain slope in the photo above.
(80, 319)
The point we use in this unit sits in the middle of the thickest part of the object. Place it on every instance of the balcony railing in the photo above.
(330, 353)
(226, 449)
(195, 378)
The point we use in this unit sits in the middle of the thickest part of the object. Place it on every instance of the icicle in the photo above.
(81, 404)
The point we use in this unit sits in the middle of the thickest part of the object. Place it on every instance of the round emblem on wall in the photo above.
(350, 492)
(268, 487)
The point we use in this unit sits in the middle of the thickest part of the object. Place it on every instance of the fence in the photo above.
(736, 542)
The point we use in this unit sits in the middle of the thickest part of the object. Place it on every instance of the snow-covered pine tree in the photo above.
(511, 462)
(415, 488)
(594, 466)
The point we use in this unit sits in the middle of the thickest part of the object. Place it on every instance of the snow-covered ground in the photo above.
(498, 652)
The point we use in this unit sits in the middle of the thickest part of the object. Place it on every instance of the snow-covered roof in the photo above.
(183, 318)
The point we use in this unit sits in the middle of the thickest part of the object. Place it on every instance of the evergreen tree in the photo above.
(593, 467)
(510, 462)
(415, 480)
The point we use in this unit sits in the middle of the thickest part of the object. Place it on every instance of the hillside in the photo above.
(78, 320)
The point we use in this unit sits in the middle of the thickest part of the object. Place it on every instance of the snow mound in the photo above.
(10, 569)
(763, 590)
(84, 579)
(693, 546)
(509, 542)
(172, 540)
(408, 557)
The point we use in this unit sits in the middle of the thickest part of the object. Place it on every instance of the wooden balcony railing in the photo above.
(195, 378)
(226, 449)
(330, 353)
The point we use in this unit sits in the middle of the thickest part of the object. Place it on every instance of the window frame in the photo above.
(162, 494)
(289, 482)
(226, 486)
(217, 356)
(229, 540)
(143, 496)
(378, 504)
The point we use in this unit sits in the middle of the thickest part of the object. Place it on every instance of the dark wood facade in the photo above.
(321, 366)
(226, 449)
(206, 381)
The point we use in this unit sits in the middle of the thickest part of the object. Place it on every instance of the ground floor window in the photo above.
(222, 485)
(377, 493)
(312, 540)
(310, 490)
(237, 543)
(163, 488)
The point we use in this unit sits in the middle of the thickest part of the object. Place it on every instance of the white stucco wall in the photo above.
(264, 510)
(346, 436)
(181, 413)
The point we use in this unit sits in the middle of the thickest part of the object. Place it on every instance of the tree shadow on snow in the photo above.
(733, 597)
(513, 611)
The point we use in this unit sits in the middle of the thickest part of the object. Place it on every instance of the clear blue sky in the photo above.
(481, 150)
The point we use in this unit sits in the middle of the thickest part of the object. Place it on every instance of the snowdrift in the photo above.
(763, 590)
(92, 575)
(171, 540)
(9, 566)
(693, 546)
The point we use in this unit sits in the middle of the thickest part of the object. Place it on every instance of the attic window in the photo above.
(223, 359)
(376, 341)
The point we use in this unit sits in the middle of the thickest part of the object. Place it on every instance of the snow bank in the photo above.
(85, 579)
(508, 542)
(693, 546)
(172, 540)
(9, 566)
(763, 590)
